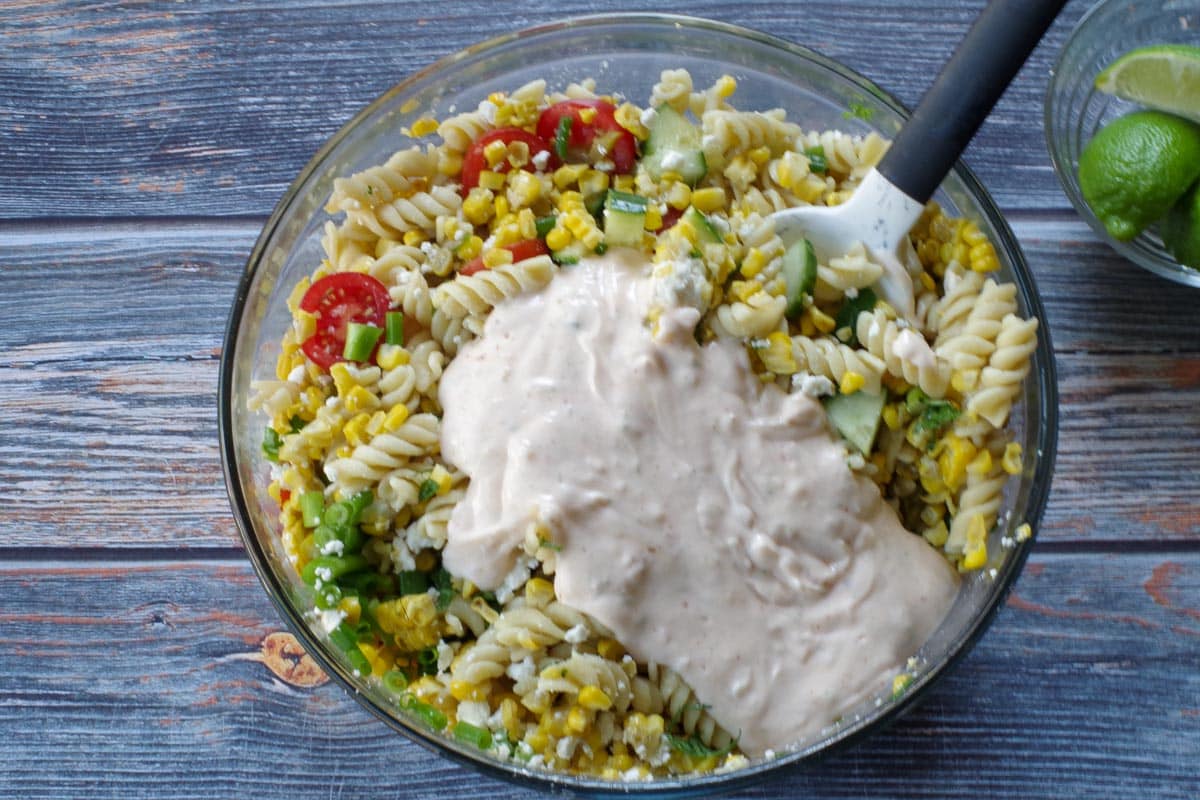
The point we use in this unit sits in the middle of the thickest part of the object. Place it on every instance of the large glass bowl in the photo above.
(624, 54)
(1075, 109)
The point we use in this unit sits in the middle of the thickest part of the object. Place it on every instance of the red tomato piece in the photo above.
(474, 161)
(602, 137)
(337, 300)
(670, 218)
(520, 251)
(284, 496)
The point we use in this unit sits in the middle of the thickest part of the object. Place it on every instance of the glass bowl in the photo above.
(1075, 110)
(623, 54)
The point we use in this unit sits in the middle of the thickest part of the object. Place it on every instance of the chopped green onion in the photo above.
(601, 249)
(395, 328)
(371, 583)
(328, 597)
(441, 580)
(395, 681)
(471, 734)
(347, 641)
(338, 516)
(562, 137)
(311, 505)
(329, 568)
(360, 341)
(426, 490)
(858, 109)
(936, 415)
(297, 422)
(427, 661)
(545, 225)
(549, 545)
(430, 715)
(816, 159)
(915, 400)
(271, 443)
(566, 260)
(359, 502)
(413, 582)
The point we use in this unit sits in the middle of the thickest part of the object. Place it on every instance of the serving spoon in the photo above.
(891, 197)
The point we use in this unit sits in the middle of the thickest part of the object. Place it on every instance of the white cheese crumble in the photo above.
(445, 655)
(813, 385)
(488, 110)
(648, 115)
(683, 283)
(334, 547)
(566, 747)
(576, 635)
(297, 374)
(329, 619)
(473, 712)
(541, 159)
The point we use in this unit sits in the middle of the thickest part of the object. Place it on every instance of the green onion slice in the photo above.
(360, 341)
(311, 505)
(394, 333)
(472, 734)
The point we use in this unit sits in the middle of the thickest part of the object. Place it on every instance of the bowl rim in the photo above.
(755, 773)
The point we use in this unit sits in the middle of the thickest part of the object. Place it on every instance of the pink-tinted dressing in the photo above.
(710, 522)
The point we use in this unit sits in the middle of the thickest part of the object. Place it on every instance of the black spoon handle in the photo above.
(963, 94)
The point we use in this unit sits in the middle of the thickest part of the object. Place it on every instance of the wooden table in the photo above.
(142, 146)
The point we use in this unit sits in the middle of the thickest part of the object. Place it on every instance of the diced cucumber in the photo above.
(624, 219)
(673, 146)
(856, 417)
(705, 230)
(800, 275)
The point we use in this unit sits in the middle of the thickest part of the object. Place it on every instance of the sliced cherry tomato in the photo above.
(600, 138)
(670, 218)
(337, 300)
(474, 161)
(284, 496)
(520, 251)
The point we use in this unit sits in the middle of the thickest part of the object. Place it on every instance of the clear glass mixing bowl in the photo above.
(624, 54)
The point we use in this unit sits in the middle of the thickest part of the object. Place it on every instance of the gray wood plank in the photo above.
(213, 107)
(120, 680)
(108, 369)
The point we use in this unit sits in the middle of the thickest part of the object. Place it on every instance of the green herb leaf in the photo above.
(427, 489)
(936, 415)
(549, 545)
(297, 423)
(442, 582)
(694, 748)
(413, 582)
(858, 109)
(816, 159)
(270, 444)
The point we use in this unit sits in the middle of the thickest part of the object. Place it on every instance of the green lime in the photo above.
(1136, 167)
(1181, 229)
(1164, 76)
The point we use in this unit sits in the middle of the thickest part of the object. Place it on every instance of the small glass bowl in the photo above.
(1075, 110)
(624, 54)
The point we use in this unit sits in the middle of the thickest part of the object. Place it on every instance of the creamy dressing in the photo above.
(710, 522)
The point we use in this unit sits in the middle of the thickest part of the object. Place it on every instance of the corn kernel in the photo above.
(956, 453)
(744, 290)
(963, 382)
(625, 183)
(343, 381)
(587, 115)
(821, 321)
(497, 258)
(558, 238)
(753, 263)
(654, 219)
(927, 281)
(679, 196)
(900, 683)
(517, 154)
(395, 418)
(578, 720)
(629, 117)
(610, 649)
(976, 553)
(1010, 462)
(981, 464)
(539, 592)
(593, 182)
(807, 326)
(851, 382)
(567, 174)
(709, 198)
(379, 663)
(424, 126)
(489, 179)
(777, 355)
(495, 152)
(477, 207)
(594, 698)
(725, 86)
(390, 356)
(524, 189)
(355, 429)
(501, 205)
(361, 399)
(351, 607)
(442, 478)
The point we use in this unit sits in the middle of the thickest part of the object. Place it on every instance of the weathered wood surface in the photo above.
(110, 399)
(152, 680)
(211, 108)
(141, 147)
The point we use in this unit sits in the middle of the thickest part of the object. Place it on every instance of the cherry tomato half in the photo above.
(602, 137)
(474, 161)
(520, 251)
(337, 300)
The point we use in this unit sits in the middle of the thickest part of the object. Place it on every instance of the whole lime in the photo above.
(1135, 168)
(1181, 229)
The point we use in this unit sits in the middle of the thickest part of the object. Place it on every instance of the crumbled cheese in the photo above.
(297, 374)
(813, 385)
(541, 159)
(334, 547)
(402, 556)
(577, 634)
(445, 655)
(851, 293)
(324, 573)
(565, 748)
(648, 115)
(521, 670)
(488, 110)
(673, 160)
(329, 619)
(515, 579)
(605, 165)
(682, 283)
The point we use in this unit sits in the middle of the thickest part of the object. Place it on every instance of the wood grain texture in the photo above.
(125, 678)
(211, 108)
(116, 415)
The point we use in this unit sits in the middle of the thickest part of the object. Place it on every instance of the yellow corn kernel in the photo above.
(1023, 532)
(464, 691)
(777, 355)
(355, 429)
(477, 207)
(351, 607)
(744, 290)
(725, 86)
(610, 649)
(497, 258)
(709, 198)
(587, 115)
(976, 550)
(501, 205)
(1010, 462)
(539, 592)
(517, 154)
(470, 248)
(391, 356)
(851, 382)
(594, 698)
(491, 180)
(495, 152)
(821, 321)
(760, 155)
(891, 417)
(654, 218)
(753, 263)
(962, 382)
(539, 740)
(442, 478)
(578, 720)
(413, 238)
(395, 418)
(679, 196)
(931, 479)
(424, 126)
(343, 381)
(593, 182)
(928, 282)
(981, 464)
(954, 456)
(377, 657)
(807, 326)
(510, 717)
(527, 223)
(524, 189)
(567, 174)
(361, 399)
(558, 238)
(625, 183)
(982, 258)
(900, 683)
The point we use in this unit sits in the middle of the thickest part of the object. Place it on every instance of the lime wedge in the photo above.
(1165, 77)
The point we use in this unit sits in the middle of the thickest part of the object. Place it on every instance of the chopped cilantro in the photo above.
(297, 423)
(427, 489)
(441, 581)
(692, 747)
(858, 109)
(427, 661)
(271, 443)
(816, 159)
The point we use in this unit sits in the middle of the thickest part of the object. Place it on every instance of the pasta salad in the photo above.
(499, 201)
